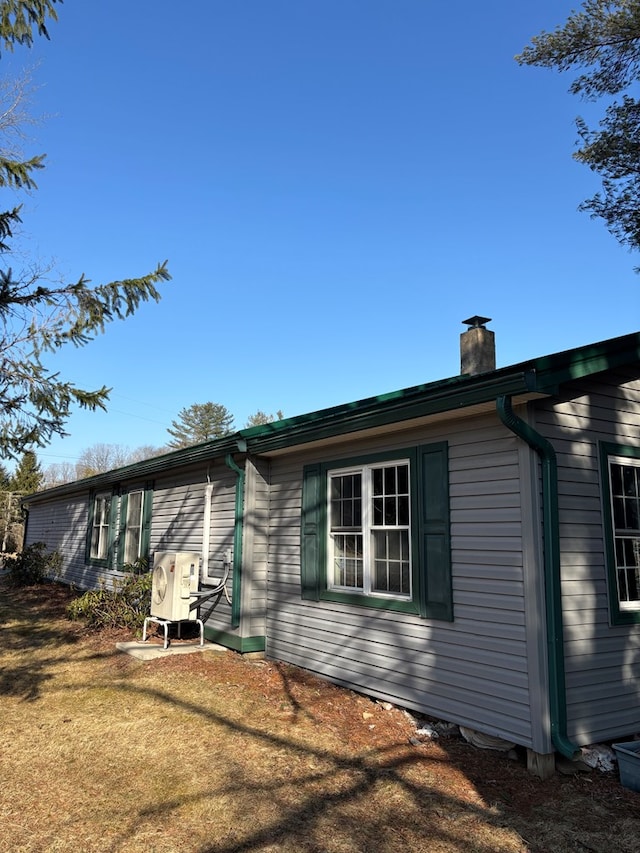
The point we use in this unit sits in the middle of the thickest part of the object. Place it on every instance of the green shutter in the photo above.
(92, 509)
(310, 531)
(113, 518)
(122, 529)
(433, 532)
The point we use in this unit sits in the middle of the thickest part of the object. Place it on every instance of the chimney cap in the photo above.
(477, 322)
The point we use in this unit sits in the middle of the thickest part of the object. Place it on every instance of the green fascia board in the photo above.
(542, 375)
(450, 395)
(143, 470)
(555, 370)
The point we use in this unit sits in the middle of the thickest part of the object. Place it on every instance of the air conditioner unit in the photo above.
(175, 577)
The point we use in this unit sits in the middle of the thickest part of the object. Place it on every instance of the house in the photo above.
(467, 548)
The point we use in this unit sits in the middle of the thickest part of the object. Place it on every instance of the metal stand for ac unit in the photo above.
(165, 625)
(200, 597)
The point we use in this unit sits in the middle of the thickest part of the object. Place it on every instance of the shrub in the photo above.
(123, 606)
(33, 565)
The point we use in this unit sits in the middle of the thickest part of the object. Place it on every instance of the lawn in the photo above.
(215, 753)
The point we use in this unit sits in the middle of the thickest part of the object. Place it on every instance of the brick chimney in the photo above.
(477, 347)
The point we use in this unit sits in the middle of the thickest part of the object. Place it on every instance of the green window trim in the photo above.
(617, 614)
(430, 534)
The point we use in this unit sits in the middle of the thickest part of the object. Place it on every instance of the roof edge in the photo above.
(541, 375)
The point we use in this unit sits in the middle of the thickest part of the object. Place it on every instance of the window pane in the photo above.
(631, 514)
(378, 512)
(618, 513)
(633, 583)
(134, 509)
(616, 479)
(346, 503)
(391, 564)
(347, 560)
(105, 510)
(390, 481)
(629, 481)
(625, 499)
(390, 501)
(403, 510)
(390, 517)
(403, 479)
(627, 550)
(95, 543)
(132, 545)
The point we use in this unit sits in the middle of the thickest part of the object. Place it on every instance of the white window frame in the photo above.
(619, 534)
(367, 530)
(101, 526)
(128, 527)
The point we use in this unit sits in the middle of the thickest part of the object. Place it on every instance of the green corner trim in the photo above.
(232, 641)
(238, 527)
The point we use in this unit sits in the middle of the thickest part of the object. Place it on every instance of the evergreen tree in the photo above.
(19, 18)
(28, 476)
(198, 423)
(261, 418)
(36, 319)
(603, 42)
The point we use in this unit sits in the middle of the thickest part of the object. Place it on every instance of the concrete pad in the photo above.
(152, 651)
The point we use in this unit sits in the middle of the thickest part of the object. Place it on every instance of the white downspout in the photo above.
(206, 532)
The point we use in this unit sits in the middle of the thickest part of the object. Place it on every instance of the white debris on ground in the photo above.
(599, 756)
(424, 730)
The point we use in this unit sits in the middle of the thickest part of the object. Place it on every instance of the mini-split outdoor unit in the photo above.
(175, 577)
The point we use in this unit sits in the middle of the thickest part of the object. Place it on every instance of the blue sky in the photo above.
(336, 185)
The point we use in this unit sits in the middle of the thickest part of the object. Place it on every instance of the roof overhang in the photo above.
(458, 396)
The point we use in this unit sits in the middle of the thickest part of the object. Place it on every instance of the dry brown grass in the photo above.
(213, 753)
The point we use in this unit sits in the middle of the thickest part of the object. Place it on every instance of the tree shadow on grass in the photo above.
(33, 639)
(300, 796)
(397, 797)
(323, 802)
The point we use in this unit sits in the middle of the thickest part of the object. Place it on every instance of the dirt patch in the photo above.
(216, 753)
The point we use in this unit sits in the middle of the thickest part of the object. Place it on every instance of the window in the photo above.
(375, 532)
(621, 475)
(100, 527)
(369, 531)
(133, 527)
(119, 527)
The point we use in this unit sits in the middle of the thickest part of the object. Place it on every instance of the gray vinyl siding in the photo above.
(62, 526)
(177, 525)
(602, 661)
(473, 671)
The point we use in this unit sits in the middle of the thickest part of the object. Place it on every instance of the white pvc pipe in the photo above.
(206, 533)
